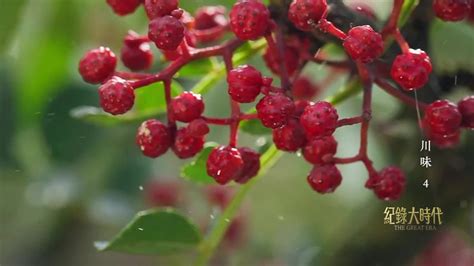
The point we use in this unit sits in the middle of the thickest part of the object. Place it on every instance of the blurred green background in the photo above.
(66, 182)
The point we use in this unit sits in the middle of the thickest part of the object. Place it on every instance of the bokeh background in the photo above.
(67, 182)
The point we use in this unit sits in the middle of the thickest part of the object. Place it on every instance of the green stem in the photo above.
(210, 243)
(268, 159)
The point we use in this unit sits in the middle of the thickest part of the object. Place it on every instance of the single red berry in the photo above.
(249, 19)
(219, 195)
(160, 8)
(289, 137)
(320, 150)
(198, 127)
(97, 65)
(153, 138)
(224, 164)
(291, 59)
(452, 10)
(251, 166)
(445, 141)
(411, 70)
(244, 83)
(442, 117)
(116, 96)
(303, 88)
(164, 193)
(124, 7)
(466, 108)
(186, 145)
(208, 17)
(275, 110)
(319, 119)
(305, 14)
(166, 32)
(235, 234)
(186, 107)
(363, 43)
(136, 54)
(324, 178)
(388, 184)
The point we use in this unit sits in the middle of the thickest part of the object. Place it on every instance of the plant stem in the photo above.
(210, 243)
(268, 159)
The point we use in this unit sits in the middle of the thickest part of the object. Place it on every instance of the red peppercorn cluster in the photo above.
(298, 121)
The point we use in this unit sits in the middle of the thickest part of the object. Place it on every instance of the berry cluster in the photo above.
(297, 122)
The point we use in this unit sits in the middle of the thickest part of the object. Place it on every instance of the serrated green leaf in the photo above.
(155, 232)
(452, 46)
(196, 170)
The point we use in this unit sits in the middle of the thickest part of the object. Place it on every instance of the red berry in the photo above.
(224, 164)
(208, 17)
(164, 193)
(186, 107)
(289, 137)
(291, 59)
(166, 32)
(445, 141)
(235, 234)
(136, 53)
(97, 65)
(303, 88)
(251, 166)
(320, 150)
(442, 117)
(160, 8)
(466, 108)
(388, 184)
(324, 178)
(452, 10)
(186, 145)
(153, 138)
(249, 19)
(245, 83)
(219, 195)
(198, 127)
(275, 110)
(319, 119)
(363, 43)
(116, 96)
(411, 70)
(124, 7)
(304, 14)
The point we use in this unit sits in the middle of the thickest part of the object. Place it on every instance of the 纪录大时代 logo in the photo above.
(413, 219)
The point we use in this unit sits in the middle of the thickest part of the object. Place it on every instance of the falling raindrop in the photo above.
(140, 229)
(140, 188)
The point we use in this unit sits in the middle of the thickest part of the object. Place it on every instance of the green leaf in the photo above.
(154, 232)
(196, 170)
(149, 102)
(254, 126)
(197, 68)
(452, 46)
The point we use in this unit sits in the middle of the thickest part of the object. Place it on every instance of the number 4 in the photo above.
(425, 184)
